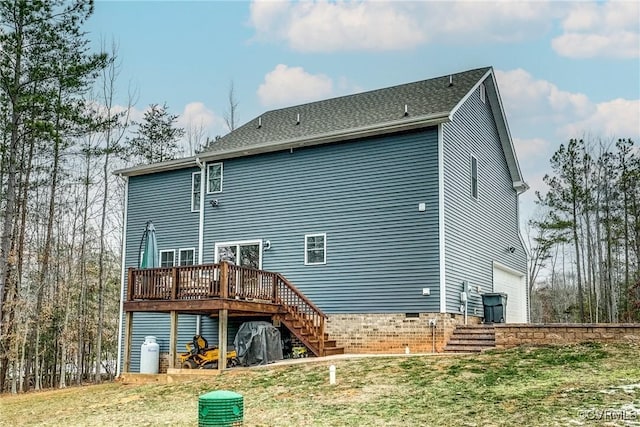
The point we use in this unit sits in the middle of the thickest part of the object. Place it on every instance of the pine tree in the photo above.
(156, 137)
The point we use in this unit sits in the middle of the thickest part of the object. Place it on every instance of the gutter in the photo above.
(269, 147)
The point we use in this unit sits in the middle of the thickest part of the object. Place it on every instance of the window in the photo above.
(246, 253)
(483, 92)
(167, 258)
(196, 188)
(315, 249)
(474, 177)
(186, 256)
(214, 178)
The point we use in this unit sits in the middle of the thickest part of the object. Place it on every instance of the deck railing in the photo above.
(223, 280)
(174, 283)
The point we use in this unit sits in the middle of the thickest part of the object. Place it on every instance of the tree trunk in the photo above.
(6, 258)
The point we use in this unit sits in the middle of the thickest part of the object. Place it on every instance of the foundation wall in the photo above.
(392, 333)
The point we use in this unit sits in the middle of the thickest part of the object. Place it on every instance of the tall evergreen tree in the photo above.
(156, 137)
(566, 197)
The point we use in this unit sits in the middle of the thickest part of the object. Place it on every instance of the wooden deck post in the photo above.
(130, 284)
(127, 341)
(321, 337)
(174, 283)
(173, 337)
(222, 339)
(224, 279)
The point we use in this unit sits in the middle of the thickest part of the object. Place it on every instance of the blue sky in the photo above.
(564, 69)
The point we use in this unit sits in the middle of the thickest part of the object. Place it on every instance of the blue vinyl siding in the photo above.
(477, 232)
(165, 199)
(364, 195)
(381, 251)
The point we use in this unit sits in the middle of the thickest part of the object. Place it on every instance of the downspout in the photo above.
(123, 276)
(441, 231)
(203, 187)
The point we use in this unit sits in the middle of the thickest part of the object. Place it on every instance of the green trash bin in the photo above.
(220, 408)
(495, 307)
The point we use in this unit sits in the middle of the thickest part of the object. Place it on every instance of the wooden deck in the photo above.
(224, 290)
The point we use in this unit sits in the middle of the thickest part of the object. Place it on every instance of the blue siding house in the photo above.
(378, 209)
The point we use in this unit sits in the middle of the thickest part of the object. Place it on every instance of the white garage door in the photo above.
(513, 284)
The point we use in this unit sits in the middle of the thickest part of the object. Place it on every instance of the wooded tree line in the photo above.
(585, 243)
(61, 137)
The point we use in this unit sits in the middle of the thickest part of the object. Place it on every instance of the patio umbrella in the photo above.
(150, 257)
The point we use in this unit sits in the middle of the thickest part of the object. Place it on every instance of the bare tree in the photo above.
(232, 108)
(196, 138)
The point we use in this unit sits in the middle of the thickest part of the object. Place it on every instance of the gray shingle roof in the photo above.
(424, 98)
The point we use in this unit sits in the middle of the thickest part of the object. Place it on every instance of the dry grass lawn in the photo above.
(552, 386)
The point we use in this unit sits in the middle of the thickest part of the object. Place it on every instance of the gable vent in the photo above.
(298, 119)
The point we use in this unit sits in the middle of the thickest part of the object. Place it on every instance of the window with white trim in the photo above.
(474, 177)
(167, 258)
(196, 189)
(186, 256)
(214, 178)
(315, 249)
(483, 92)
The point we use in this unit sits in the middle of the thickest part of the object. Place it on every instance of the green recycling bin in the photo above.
(220, 408)
(495, 307)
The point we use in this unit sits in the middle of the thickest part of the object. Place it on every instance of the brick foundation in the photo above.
(163, 363)
(513, 335)
(392, 333)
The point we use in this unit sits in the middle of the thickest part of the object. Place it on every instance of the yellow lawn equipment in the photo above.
(200, 355)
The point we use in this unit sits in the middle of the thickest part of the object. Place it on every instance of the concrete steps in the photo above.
(471, 339)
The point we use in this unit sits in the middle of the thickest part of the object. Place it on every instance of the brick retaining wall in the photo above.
(391, 333)
(513, 335)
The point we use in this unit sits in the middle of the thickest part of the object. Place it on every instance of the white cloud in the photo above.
(619, 118)
(196, 113)
(533, 147)
(500, 21)
(536, 102)
(293, 85)
(199, 123)
(134, 114)
(322, 26)
(610, 29)
(539, 100)
(590, 29)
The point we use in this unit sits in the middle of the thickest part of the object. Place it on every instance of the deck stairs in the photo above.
(303, 328)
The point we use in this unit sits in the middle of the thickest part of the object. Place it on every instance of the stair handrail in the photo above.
(302, 296)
